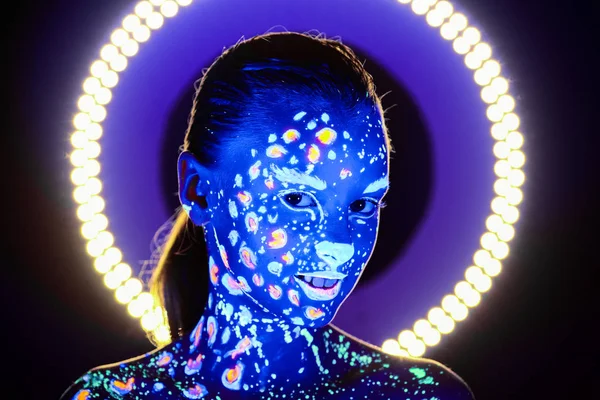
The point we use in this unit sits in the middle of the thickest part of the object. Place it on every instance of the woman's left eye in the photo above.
(299, 199)
(365, 207)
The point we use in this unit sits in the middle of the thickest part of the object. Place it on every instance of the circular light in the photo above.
(131, 22)
(391, 346)
(143, 9)
(150, 15)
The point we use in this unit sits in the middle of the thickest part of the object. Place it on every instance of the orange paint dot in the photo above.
(275, 291)
(291, 135)
(313, 153)
(244, 197)
(252, 224)
(288, 258)
(276, 151)
(214, 277)
(233, 374)
(314, 313)
(254, 170)
(224, 256)
(326, 135)
(258, 280)
(279, 239)
(83, 395)
(269, 183)
(344, 173)
(247, 259)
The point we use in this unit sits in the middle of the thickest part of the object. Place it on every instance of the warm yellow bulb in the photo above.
(501, 150)
(162, 333)
(502, 168)
(516, 177)
(435, 315)
(91, 85)
(110, 79)
(514, 196)
(94, 248)
(448, 31)
(406, 337)
(492, 67)
(155, 20)
(78, 140)
(417, 348)
(141, 33)
(444, 8)
(89, 230)
(434, 18)
(105, 239)
(81, 121)
(78, 158)
(134, 286)
(446, 325)
(93, 131)
(482, 256)
(102, 264)
(100, 221)
(488, 93)
(143, 9)
(483, 51)
(493, 267)
(494, 113)
(459, 312)
(135, 308)
(449, 302)
(123, 271)
(506, 233)
(432, 337)
(502, 187)
(458, 21)
(511, 121)
(169, 9)
(506, 103)
(123, 295)
(472, 35)
(391, 346)
(421, 327)
(473, 61)
(98, 68)
(86, 103)
(113, 256)
(108, 52)
(81, 195)
(131, 22)
(488, 240)
(499, 131)
(514, 140)
(130, 48)
(482, 284)
(119, 63)
(461, 45)
(420, 7)
(119, 36)
(91, 150)
(500, 251)
(79, 176)
(98, 113)
(149, 321)
(85, 212)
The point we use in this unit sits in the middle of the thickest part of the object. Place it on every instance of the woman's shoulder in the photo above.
(398, 377)
(118, 379)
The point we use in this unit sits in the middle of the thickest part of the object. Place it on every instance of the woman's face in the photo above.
(297, 222)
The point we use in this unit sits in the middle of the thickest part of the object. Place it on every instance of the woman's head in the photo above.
(285, 164)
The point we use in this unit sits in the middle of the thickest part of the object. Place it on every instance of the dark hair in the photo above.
(246, 86)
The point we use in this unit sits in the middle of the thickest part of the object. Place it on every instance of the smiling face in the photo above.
(298, 220)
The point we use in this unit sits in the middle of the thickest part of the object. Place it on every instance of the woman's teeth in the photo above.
(318, 282)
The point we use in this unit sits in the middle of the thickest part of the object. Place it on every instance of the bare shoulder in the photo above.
(118, 379)
(399, 377)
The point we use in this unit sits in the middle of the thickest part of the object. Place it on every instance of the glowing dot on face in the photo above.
(258, 280)
(251, 221)
(248, 257)
(269, 183)
(293, 297)
(326, 135)
(231, 377)
(275, 291)
(244, 197)
(313, 313)
(165, 358)
(224, 256)
(344, 173)
(279, 239)
(288, 258)
(325, 117)
(276, 151)
(346, 135)
(272, 137)
(231, 284)
(275, 267)
(291, 135)
(331, 155)
(196, 392)
(122, 388)
(211, 329)
(243, 284)
(299, 116)
(214, 275)
(313, 153)
(311, 125)
(254, 170)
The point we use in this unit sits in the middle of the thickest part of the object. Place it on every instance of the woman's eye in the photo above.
(299, 199)
(365, 207)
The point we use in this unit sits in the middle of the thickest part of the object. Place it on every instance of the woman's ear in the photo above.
(195, 185)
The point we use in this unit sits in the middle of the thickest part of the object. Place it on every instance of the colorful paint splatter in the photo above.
(287, 251)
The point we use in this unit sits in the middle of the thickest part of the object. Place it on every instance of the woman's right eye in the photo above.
(298, 199)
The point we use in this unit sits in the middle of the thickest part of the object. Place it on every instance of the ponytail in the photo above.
(180, 281)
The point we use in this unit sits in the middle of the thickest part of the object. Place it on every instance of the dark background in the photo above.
(535, 336)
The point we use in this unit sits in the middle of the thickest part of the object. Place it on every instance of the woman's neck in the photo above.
(240, 344)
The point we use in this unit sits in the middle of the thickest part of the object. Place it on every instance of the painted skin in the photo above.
(288, 236)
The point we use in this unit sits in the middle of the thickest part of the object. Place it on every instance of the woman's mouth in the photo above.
(318, 287)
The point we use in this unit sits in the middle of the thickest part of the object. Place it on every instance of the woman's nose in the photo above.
(334, 254)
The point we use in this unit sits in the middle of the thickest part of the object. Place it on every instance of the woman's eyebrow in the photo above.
(294, 176)
(376, 186)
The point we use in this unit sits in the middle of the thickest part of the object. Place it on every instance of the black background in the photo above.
(536, 335)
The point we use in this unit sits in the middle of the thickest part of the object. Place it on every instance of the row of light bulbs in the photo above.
(466, 41)
(150, 15)
(136, 28)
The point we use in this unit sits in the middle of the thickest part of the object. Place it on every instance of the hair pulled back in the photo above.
(244, 88)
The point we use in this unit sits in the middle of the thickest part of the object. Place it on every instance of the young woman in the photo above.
(281, 180)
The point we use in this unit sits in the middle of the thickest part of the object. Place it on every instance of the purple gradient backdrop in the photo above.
(390, 33)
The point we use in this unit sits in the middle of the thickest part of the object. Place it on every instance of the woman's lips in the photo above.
(318, 288)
